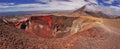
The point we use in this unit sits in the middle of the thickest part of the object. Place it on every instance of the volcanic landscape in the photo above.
(77, 30)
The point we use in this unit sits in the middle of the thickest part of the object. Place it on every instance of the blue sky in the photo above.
(31, 5)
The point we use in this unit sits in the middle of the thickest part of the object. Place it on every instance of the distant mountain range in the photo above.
(32, 12)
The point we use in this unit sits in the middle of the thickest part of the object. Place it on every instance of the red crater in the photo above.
(49, 26)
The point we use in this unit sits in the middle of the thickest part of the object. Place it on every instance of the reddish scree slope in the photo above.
(93, 38)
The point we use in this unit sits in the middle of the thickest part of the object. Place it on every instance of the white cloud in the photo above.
(112, 10)
(56, 4)
(61, 5)
(22, 5)
(30, 7)
(1, 6)
(4, 4)
(72, 4)
(47, 1)
(108, 1)
(93, 1)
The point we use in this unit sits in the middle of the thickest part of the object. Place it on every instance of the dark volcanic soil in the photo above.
(97, 37)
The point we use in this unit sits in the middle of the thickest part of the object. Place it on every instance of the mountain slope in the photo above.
(82, 12)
